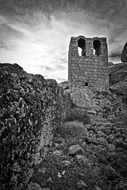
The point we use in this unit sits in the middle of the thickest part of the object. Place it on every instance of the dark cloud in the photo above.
(100, 8)
(112, 14)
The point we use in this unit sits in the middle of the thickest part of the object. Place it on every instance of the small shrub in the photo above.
(73, 128)
(78, 114)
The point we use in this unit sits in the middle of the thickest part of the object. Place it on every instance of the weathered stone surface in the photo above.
(118, 76)
(30, 109)
(35, 186)
(59, 140)
(110, 64)
(119, 88)
(75, 149)
(88, 69)
(67, 102)
(98, 188)
(81, 97)
(102, 160)
(66, 163)
(82, 184)
(82, 159)
(124, 53)
(57, 153)
(118, 73)
(92, 105)
(102, 140)
(64, 85)
(111, 147)
(116, 67)
(111, 173)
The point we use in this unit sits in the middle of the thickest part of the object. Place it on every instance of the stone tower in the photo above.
(88, 63)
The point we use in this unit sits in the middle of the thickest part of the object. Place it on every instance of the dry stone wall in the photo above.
(30, 109)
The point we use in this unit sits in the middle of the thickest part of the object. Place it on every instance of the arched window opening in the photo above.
(81, 47)
(97, 47)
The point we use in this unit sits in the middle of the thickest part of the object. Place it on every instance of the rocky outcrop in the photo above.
(110, 64)
(90, 105)
(116, 67)
(118, 78)
(117, 73)
(88, 155)
(124, 53)
(30, 109)
(81, 97)
(119, 88)
(64, 85)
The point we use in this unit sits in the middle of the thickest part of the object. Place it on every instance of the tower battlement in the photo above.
(88, 63)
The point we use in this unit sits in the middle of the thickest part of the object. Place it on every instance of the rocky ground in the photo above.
(88, 140)
(88, 152)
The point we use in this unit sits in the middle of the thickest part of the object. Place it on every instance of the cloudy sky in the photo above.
(36, 33)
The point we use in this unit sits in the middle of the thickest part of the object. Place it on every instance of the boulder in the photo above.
(111, 147)
(64, 85)
(82, 185)
(124, 53)
(75, 149)
(57, 153)
(82, 159)
(81, 97)
(66, 163)
(111, 173)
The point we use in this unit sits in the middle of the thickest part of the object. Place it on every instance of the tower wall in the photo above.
(90, 69)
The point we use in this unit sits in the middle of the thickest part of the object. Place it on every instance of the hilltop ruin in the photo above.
(88, 63)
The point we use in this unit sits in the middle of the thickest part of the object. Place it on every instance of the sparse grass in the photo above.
(74, 129)
(77, 114)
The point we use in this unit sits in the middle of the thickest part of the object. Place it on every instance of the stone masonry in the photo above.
(88, 63)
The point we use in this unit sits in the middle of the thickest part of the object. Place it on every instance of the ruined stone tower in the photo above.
(88, 63)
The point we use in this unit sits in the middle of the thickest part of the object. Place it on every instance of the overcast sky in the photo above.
(36, 33)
